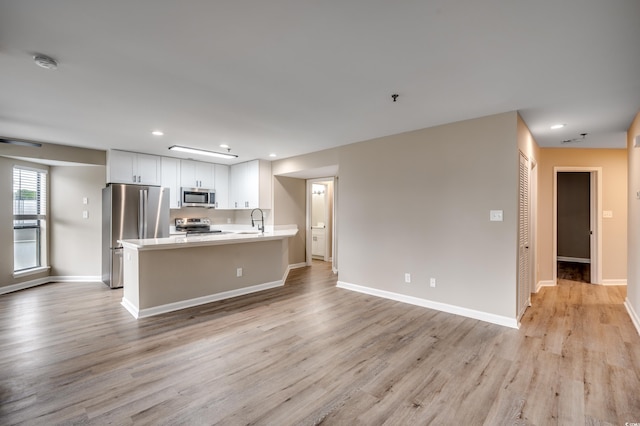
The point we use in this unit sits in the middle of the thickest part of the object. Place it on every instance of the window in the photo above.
(29, 217)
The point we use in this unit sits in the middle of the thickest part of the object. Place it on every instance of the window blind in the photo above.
(29, 194)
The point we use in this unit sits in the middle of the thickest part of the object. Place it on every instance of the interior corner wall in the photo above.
(419, 203)
(614, 198)
(633, 266)
(289, 200)
(75, 243)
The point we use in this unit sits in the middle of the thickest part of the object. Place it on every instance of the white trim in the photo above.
(614, 282)
(183, 304)
(50, 279)
(32, 271)
(24, 285)
(130, 307)
(456, 310)
(291, 267)
(635, 319)
(596, 218)
(76, 279)
(545, 283)
(573, 259)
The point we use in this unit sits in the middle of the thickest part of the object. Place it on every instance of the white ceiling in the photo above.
(292, 77)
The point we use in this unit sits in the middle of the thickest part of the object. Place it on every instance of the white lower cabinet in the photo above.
(318, 245)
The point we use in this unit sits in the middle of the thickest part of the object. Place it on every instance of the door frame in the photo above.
(595, 201)
(309, 236)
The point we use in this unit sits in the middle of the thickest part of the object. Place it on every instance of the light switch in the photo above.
(85, 214)
(495, 215)
(85, 200)
(607, 213)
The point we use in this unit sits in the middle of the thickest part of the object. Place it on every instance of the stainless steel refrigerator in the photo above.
(130, 212)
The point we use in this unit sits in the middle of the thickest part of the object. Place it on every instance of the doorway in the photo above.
(577, 227)
(321, 226)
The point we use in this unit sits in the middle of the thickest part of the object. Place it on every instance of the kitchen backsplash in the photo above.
(241, 217)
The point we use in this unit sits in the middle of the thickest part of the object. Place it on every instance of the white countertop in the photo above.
(232, 237)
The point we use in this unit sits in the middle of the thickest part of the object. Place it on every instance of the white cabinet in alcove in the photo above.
(132, 167)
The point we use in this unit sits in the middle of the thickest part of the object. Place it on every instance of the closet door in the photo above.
(524, 277)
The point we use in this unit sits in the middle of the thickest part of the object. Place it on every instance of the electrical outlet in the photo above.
(432, 282)
(407, 278)
(85, 214)
(239, 272)
(85, 200)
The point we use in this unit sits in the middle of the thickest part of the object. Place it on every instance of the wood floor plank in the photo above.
(310, 353)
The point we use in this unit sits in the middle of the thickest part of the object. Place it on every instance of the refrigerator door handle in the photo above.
(142, 214)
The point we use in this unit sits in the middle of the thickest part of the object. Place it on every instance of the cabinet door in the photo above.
(188, 174)
(122, 167)
(171, 179)
(148, 169)
(237, 198)
(221, 173)
(252, 185)
(204, 175)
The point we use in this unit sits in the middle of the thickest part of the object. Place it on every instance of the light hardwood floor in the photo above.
(310, 353)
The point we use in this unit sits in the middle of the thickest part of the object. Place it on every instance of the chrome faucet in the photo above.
(260, 228)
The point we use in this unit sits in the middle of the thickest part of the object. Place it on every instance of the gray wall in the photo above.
(419, 203)
(75, 242)
(290, 209)
(633, 285)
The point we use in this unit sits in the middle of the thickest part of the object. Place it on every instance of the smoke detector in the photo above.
(45, 61)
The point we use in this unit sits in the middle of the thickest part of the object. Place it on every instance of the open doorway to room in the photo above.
(321, 224)
(577, 225)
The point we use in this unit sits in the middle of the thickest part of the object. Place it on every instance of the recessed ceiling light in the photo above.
(272, 155)
(157, 133)
(224, 145)
(557, 126)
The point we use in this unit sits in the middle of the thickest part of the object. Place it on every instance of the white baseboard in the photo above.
(635, 319)
(451, 309)
(544, 283)
(51, 279)
(24, 285)
(614, 282)
(290, 268)
(170, 307)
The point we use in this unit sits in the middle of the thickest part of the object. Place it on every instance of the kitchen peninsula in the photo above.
(167, 274)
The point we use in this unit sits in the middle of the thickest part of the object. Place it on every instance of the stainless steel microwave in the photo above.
(198, 197)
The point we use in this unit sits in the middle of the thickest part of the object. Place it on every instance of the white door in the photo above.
(523, 290)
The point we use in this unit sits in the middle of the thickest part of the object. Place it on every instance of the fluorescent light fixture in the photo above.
(20, 143)
(224, 145)
(202, 152)
(272, 155)
(157, 133)
(557, 126)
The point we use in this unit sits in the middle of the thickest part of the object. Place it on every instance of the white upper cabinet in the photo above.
(221, 173)
(251, 185)
(171, 180)
(196, 174)
(131, 167)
